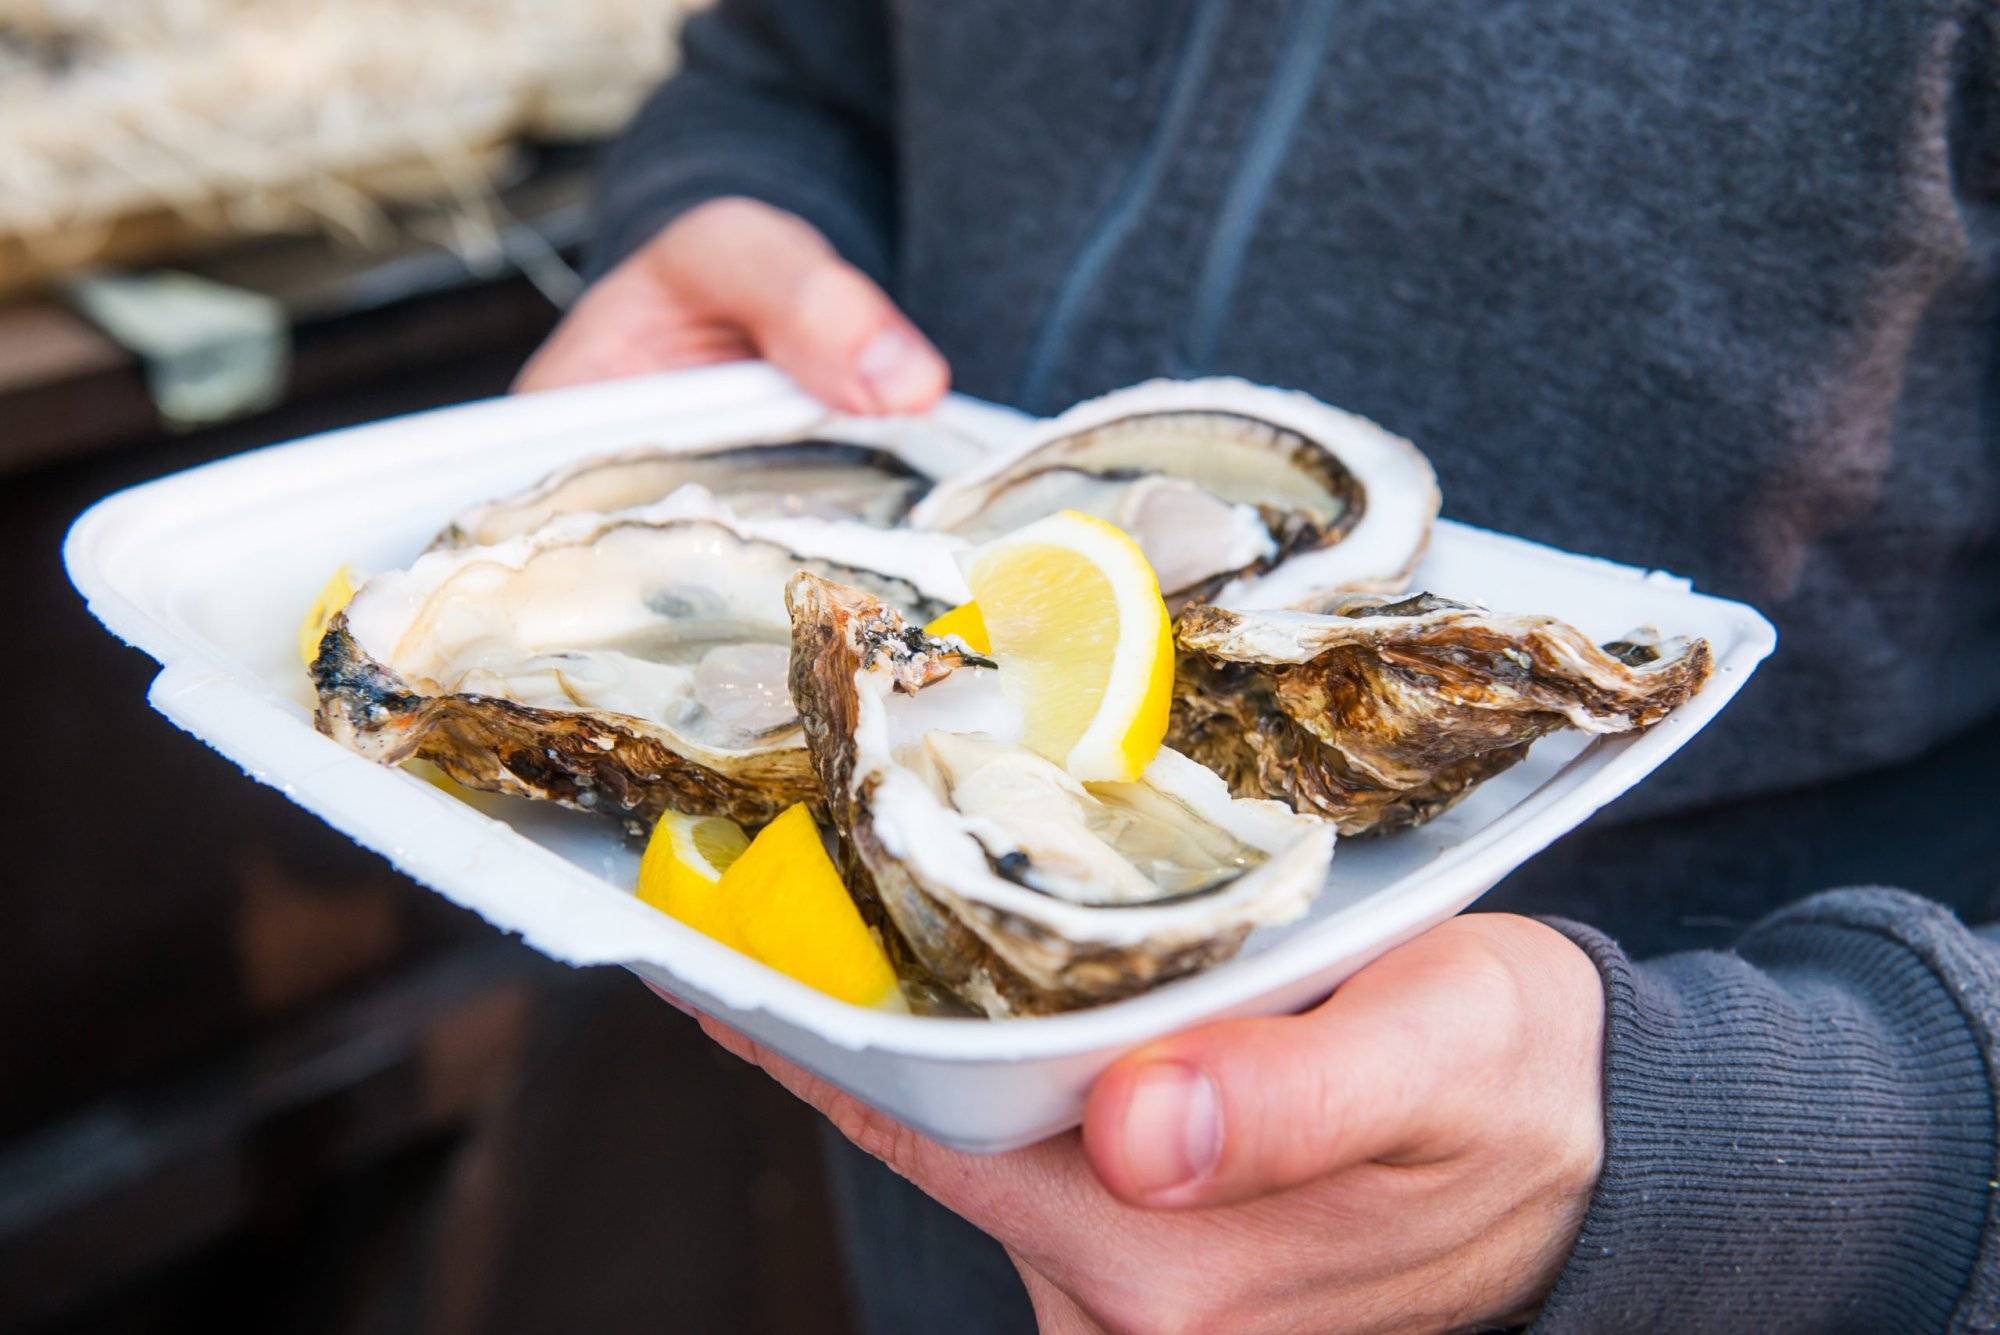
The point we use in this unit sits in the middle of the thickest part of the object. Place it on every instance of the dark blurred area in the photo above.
(254, 1078)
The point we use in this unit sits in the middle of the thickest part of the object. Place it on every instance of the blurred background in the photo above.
(250, 1077)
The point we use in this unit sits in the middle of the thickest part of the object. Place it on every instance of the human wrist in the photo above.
(1563, 1030)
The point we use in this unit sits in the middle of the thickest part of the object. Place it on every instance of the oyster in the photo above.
(1380, 714)
(1002, 879)
(626, 666)
(869, 470)
(1218, 480)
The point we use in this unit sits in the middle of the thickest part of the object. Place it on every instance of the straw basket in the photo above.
(131, 130)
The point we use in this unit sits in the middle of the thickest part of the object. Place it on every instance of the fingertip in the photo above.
(1153, 1131)
(842, 338)
(901, 372)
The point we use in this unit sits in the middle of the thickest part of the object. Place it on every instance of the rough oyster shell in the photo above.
(985, 902)
(1381, 714)
(870, 470)
(625, 666)
(1219, 481)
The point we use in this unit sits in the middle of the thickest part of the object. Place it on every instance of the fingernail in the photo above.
(897, 370)
(1173, 1127)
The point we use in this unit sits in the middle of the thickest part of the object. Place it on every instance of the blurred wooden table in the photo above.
(66, 388)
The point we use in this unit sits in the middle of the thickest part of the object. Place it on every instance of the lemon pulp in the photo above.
(778, 898)
(681, 870)
(1083, 640)
(790, 909)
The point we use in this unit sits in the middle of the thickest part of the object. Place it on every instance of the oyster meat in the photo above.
(996, 875)
(627, 666)
(871, 470)
(1219, 481)
(1380, 714)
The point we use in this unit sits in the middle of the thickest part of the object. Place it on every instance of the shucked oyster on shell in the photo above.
(996, 875)
(1219, 481)
(870, 470)
(1380, 714)
(626, 666)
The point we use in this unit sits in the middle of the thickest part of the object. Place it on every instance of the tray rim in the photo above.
(202, 692)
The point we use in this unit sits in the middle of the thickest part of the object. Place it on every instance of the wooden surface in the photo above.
(67, 390)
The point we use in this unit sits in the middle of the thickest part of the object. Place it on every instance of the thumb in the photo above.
(806, 310)
(1243, 1108)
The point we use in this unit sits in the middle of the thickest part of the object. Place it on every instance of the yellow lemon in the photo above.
(1083, 640)
(681, 871)
(789, 908)
(965, 622)
(338, 592)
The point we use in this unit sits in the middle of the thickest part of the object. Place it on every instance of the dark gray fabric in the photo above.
(1710, 286)
(1698, 880)
(794, 113)
(1706, 286)
(1870, 1207)
(917, 1267)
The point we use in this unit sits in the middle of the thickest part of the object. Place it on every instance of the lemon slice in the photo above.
(1083, 642)
(680, 872)
(965, 622)
(337, 593)
(789, 908)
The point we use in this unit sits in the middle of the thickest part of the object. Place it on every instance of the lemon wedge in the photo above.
(965, 622)
(1083, 640)
(337, 593)
(681, 871)
(789, 908)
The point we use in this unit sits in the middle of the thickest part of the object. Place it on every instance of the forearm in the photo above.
(787, 101)
(1800, 1134)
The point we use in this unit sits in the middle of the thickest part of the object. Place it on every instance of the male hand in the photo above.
(734, 278)
(1414, 1154)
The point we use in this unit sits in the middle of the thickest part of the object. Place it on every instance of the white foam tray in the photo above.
(209, 572)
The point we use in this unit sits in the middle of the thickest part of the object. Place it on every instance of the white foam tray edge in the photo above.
(978, 1085)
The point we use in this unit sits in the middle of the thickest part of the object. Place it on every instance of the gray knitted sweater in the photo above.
(1710, 286)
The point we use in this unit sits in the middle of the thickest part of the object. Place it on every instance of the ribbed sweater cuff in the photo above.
(1800, 1135)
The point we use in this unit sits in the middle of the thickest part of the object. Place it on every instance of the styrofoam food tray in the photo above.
(209, 571)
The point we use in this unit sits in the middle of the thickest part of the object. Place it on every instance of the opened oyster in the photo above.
(1381, 714)
(1219, 481)
(871, 470)
(1003, 879)
(625, 666)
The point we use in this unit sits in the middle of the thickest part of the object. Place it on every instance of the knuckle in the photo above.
(1328, 1118)
(1490, 969)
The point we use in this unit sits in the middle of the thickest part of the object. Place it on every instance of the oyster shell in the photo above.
(1380, 714)
(627, 665)
(1006, 882)
(1219, 481)
(871, 470)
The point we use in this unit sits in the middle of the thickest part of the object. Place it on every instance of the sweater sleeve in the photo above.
(1800, 1134)
(787, 101)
